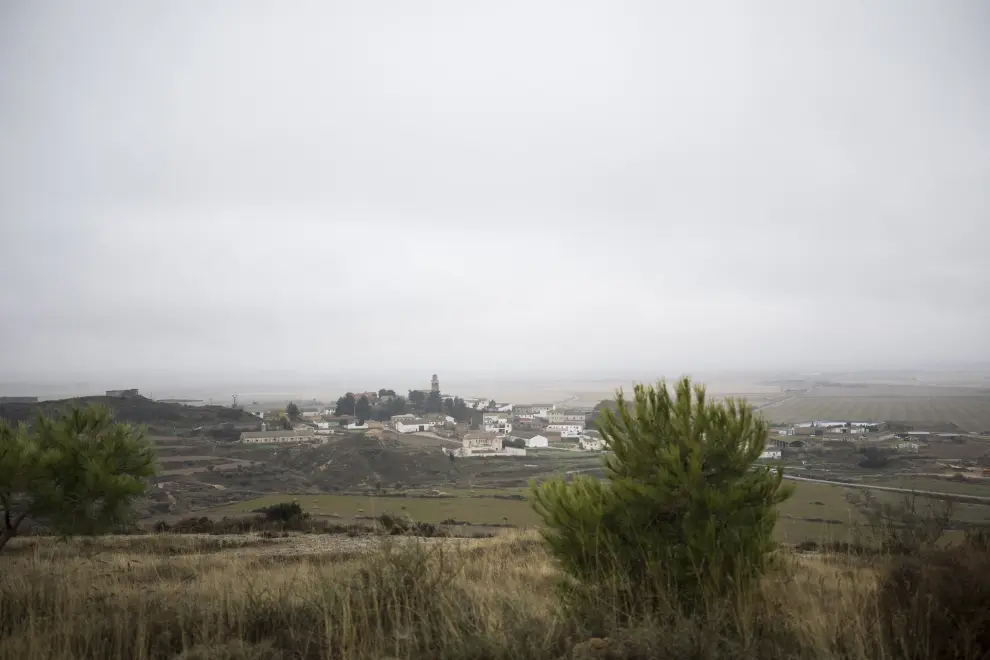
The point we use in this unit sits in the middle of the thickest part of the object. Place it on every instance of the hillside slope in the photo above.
(157, 415)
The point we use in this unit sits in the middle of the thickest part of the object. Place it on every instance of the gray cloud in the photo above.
(545, 186)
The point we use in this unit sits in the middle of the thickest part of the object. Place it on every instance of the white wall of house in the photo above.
(497, 423)
(566, 417)
(414, 426)
(482, 442)
(279, 437)
(567, 430)
(771, 454)
(591, 445)
(537, 441)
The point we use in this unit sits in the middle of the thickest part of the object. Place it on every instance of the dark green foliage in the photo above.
(385, 409)
(77, 472)
(433, 403)
(457, 408)
(417, 398)
(362, 410)
(685, 508)
(292, 411)
(282, 512)
(874, 458)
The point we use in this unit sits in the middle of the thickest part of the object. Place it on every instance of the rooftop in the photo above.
(275, 434)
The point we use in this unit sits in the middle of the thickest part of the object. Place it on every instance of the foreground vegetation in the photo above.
(240, 598)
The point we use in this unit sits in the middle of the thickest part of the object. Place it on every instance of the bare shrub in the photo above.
(936, 605)
(909, 526)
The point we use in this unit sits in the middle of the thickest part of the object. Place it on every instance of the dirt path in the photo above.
(961, 497)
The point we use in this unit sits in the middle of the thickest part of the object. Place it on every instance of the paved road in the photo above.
(783, 401)
(890, 489)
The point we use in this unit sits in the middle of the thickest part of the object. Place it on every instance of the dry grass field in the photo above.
(477, 510)
(167, 597)
(815, 512)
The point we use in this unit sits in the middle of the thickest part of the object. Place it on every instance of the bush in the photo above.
(282, 512)
(937, 605)
(905, 527)
(394, 526)
(686, 509)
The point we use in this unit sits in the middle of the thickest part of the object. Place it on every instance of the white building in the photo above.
(541, 410)
(567, 430)
(323, 425)
(772, 454)
(499, 423)
(566, 417)
(908, 446)
(276, 437)
(537, 441)
(311, 414)
(591, 444)
(481, 441)
(414, 425)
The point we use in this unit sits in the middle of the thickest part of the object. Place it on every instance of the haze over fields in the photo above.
(208, 197)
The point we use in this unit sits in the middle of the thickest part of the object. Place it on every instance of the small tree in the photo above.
(362, 410)
(78, 472)
(685, 509)
(292, 410)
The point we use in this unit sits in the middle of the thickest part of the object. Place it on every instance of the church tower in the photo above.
(435, 384)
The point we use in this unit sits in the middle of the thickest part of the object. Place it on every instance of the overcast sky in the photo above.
(510, 186)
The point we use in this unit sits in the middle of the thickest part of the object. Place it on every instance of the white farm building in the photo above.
(567, 430)
(414, 425)
(276, 437)
(499, 423)
(537, 441)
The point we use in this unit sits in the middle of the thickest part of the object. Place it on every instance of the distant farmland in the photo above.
(971, 413)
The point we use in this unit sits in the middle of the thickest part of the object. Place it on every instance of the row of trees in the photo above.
(389, 404)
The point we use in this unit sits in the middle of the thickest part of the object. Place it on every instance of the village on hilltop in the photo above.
(467, 426)
(481, 427)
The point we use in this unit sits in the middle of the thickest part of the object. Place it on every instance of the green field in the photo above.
(815, 511)
(476, 510)
(971, 413)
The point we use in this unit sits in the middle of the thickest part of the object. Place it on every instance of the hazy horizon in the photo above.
(198, 193)
(518, 388)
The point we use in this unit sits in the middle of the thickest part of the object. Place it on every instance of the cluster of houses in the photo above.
(503, 429)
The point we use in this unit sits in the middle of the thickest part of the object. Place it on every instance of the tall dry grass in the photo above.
(136, 598)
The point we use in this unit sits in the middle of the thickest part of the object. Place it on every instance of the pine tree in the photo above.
(684, 510)
(77, 472)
